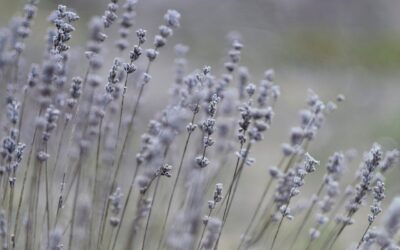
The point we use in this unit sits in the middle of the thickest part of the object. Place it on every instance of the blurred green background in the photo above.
(339, 46)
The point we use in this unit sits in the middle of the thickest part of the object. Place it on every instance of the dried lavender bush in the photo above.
(66, 137)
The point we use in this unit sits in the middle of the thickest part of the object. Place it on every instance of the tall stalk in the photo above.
(71, 233)
(203, 231)
(362, 237)
(280, 224)
(149, 214)
(95, 186)
(21, 194)
(229, 204)
(307, 216)
(171, 197)
(258, 207)
(121, 154)
(124, 207)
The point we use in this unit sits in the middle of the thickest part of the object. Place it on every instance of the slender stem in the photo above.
(253, 218)
(10, 207)
(307, 216)
(71, 233)
(60, 201)
(60, 143)
(141, 197)
(21, 116)
(75, 171)
(362, 237)
(125, 207)
(280, 224)
(37, 182)
(79, 173)
(152, 201)
(130, 129)
(5, 192)
(230, 201)
(16, 69)
(122, 107)
(124, 145)
(259, 235)
(97, 163)
(327, 239)
(21, 195)
(171, 197)
(276, 233)
(77, 111)
(229, 204)
(47, 195)
(258, 207)
(338, 206)
(310, 241)
(149, 214)
(204, 229)
(292, 160)
(336, 237)
(231, 184)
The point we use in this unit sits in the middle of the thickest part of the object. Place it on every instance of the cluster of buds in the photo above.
(371, 163)
(11, 153)
(208, 128)
(116, 202)
(217, 196)
(290, 183)
(126, 22)
(23, 25)
(110, 15)
(62, 19)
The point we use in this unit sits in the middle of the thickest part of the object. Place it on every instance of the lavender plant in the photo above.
(78, 171)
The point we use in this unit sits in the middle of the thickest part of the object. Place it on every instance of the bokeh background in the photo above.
(349, 47)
